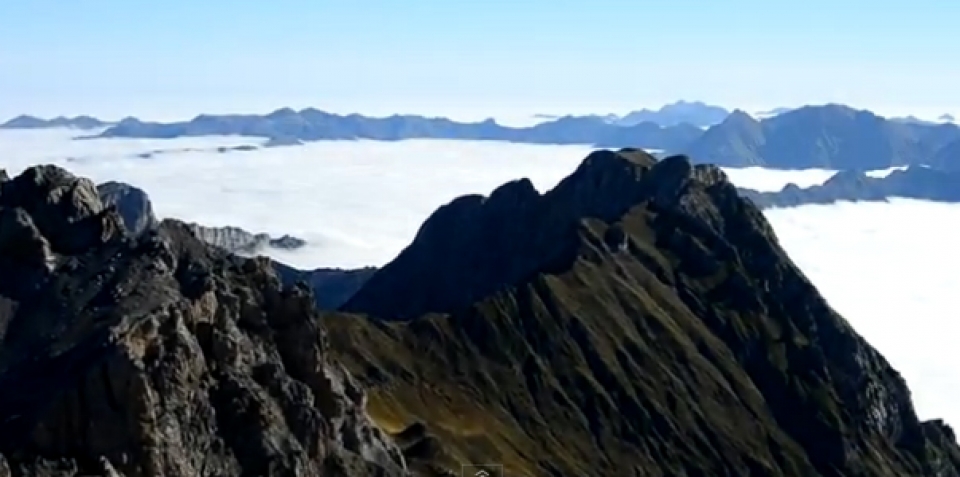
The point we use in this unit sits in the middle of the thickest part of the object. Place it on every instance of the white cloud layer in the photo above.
(888, 268)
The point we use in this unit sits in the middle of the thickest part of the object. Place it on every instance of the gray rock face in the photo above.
(158, 355)
(132, 203)
(238, 240)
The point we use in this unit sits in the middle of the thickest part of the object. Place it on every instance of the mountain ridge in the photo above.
(626, 282)
(638, 319)
(830, 136)
(286, 126)
(914, 182)
(26, 121)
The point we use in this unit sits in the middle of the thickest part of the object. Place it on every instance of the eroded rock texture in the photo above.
(159, 355)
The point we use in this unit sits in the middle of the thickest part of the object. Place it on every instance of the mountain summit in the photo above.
(638, 319)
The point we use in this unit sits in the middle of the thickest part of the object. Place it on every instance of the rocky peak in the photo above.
(475, 245)
(641, 315)
(65, 209)
(159, 355)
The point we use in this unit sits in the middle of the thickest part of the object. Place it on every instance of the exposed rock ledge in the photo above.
(240, 241)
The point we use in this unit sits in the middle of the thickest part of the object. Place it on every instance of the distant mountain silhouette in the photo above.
(33, 122)
(828, 137)
(915, 182)
(944, 118)
(694, 113)
(286, 125)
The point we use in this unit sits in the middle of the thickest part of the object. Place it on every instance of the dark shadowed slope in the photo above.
(639, 319)
(915, 182)
(160, 355)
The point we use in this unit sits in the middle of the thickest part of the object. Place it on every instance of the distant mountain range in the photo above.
(829, 136)
(825, 137)
(286, 126)
(33, 122)
(694, 113)
(915, 182)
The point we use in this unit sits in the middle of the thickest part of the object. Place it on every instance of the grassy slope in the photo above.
(695, 349)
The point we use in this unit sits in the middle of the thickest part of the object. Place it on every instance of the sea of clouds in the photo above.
(889, 268)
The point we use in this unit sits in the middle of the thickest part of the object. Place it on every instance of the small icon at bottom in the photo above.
(481, 470)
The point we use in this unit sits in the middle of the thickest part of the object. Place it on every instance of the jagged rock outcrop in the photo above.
(638, 319)
(158, 355)
(132, 203)
(915, 182)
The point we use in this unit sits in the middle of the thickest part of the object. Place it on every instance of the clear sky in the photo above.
(176, 58)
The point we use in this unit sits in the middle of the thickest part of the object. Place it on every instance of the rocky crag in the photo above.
(159, 355)
(638, 319)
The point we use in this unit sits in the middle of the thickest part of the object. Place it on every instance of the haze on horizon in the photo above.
(173, 60)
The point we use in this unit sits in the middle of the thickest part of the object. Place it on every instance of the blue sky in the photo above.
(177, 58)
